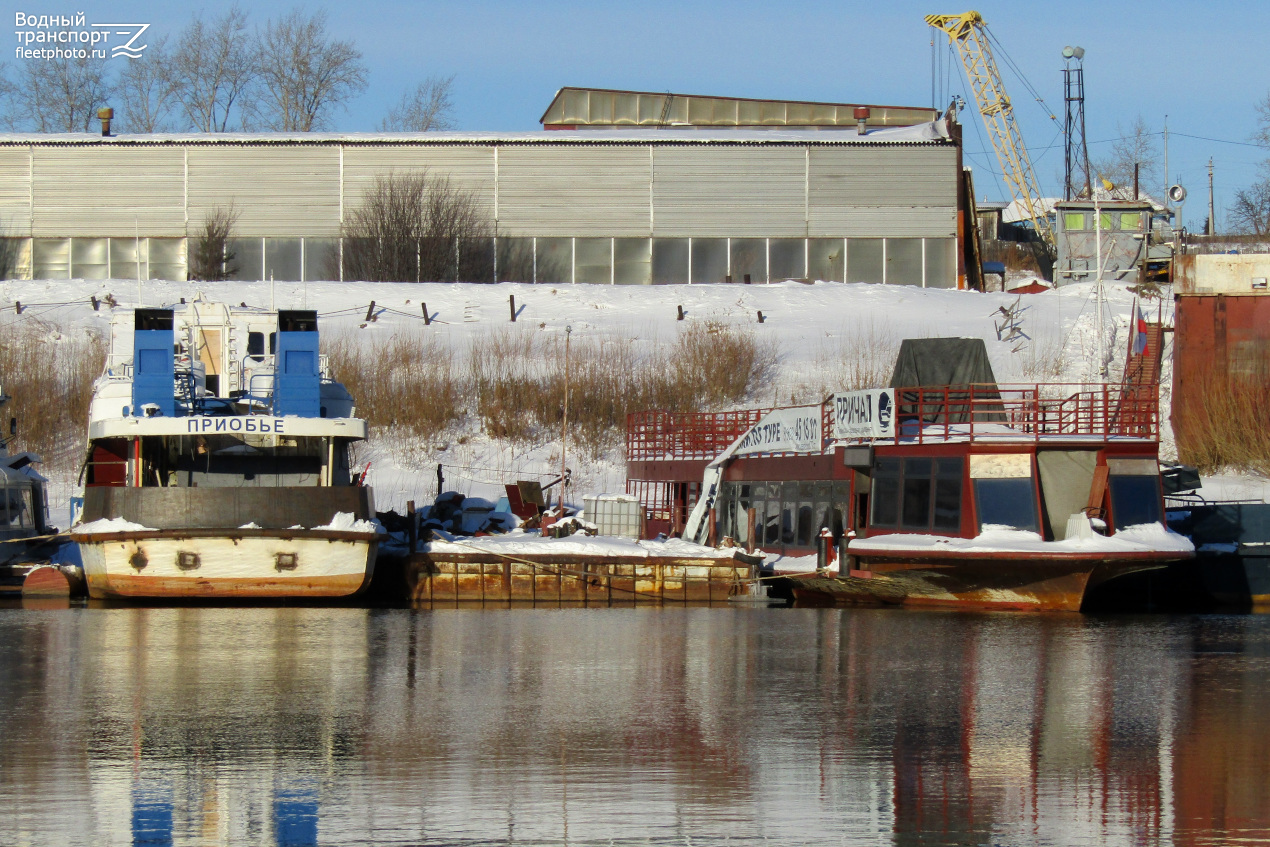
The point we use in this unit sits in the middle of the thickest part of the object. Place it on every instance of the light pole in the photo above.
(564, 420)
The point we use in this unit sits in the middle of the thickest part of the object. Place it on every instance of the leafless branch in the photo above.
(210, 255)
(147, 90)
(60, 95)
(214, 68)
(427, 108)
(303, 74)
(416, 227)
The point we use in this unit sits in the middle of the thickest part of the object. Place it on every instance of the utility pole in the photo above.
(1212, 225)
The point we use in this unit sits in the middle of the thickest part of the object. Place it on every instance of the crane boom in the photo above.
(969, 34)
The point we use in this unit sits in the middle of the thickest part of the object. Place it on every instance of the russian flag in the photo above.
(1140, 331)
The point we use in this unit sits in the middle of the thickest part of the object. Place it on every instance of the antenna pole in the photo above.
(1212, 224)
(564, 421)
(137, 246)
(1102, 364)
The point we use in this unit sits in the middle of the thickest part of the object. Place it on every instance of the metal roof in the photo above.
(932, 132)
(605, 107)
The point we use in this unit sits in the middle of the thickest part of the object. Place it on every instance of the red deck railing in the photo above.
(927, 415)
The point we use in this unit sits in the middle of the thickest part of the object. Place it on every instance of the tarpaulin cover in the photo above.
(940, 362)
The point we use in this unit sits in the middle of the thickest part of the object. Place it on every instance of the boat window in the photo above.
(1009, 502)
(256, 345)
(804, 525)
(886, 493)
(1134, 500)
(948, 494)
(772, 523)
(918, 494)
(915, 513)
(17, 501)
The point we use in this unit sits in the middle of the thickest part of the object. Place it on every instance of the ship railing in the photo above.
(991, 412)
(984, 412)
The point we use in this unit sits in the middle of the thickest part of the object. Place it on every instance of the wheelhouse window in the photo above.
(1134, 485)
(921, 494)
(786, 513)
(1005, 492)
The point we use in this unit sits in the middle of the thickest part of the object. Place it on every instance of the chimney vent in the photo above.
(862, 119)
(105, 115)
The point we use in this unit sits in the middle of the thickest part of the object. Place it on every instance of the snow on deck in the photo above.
(520, 544)
(1144, 538)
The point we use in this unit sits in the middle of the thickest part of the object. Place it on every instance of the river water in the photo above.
(698, 726)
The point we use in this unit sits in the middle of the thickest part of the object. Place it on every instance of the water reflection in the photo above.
(664, 726)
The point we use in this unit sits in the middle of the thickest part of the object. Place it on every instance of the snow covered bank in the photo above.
(825, 334)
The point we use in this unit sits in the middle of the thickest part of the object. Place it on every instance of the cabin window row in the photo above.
(786, 514)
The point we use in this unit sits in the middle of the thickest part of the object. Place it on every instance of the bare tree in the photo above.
(147, 90)
(210, 255)
(1135, 146)
(428, 107)
(60, 95)
(214, 68)
(303, 74)
(1250, 213)
(416, 227)
(1262, 135)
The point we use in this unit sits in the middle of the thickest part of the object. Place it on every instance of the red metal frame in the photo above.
(1027, 412)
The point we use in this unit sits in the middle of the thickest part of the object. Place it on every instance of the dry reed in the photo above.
(862, 357)
(1231, 429)
(49, 375)
(405, 382)
(517, 380)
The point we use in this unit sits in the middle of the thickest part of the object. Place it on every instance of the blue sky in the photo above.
(1202, 65)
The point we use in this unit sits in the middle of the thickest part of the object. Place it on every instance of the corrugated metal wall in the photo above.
(908, 192)
(470, 168)
(730, 191)
(291, 190)
(15, 191)
(586, 191)
(104, 190)
(545, 190)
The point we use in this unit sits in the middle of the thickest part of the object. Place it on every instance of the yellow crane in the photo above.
(969, 34)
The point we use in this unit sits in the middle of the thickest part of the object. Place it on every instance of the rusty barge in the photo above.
(577, 570)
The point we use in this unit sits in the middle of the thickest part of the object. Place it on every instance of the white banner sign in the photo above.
(795, 430)
(864, 414)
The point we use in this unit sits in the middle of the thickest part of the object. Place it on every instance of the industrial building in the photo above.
(670, 202)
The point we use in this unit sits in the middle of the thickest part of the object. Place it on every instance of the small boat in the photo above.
(218, 461)
(26, 539)
(944, 490)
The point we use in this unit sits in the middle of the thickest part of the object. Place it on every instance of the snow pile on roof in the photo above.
(1016, 211)
(918, 133)
(109, 525)
(1144, 538)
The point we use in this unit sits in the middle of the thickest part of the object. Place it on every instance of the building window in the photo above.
(787, 259)
(670, 260)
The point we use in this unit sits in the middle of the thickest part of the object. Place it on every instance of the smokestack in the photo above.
(105, 115)
(862, 118)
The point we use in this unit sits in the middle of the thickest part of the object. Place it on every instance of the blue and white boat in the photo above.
(218, 461)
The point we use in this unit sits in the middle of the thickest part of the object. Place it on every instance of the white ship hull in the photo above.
(242, 563)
